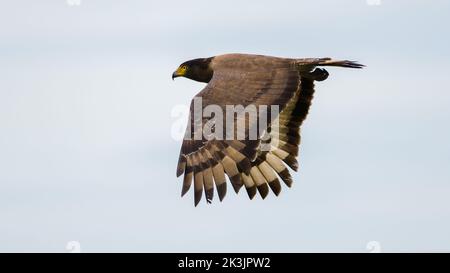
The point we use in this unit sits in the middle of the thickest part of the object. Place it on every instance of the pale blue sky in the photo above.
(85, 147)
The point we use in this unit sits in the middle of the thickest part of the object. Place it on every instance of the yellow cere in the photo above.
(181, 70)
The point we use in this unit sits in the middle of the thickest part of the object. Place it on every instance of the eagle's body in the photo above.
(242, 79)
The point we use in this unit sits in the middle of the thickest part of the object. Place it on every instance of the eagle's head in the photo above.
(197, 70)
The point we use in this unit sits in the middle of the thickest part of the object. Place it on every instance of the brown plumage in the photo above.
(242, 79)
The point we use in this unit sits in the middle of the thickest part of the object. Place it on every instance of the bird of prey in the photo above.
(245, 79)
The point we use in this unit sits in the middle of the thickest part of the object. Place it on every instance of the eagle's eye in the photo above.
(184, 68)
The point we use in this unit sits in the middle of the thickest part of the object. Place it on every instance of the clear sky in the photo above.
(86, 152)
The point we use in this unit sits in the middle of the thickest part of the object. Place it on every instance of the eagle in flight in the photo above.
(244, 79)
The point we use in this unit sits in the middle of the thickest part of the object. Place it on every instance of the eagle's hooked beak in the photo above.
(181, 71)
(174, 75)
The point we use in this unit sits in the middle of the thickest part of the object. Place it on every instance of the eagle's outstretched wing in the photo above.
(250, 80)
